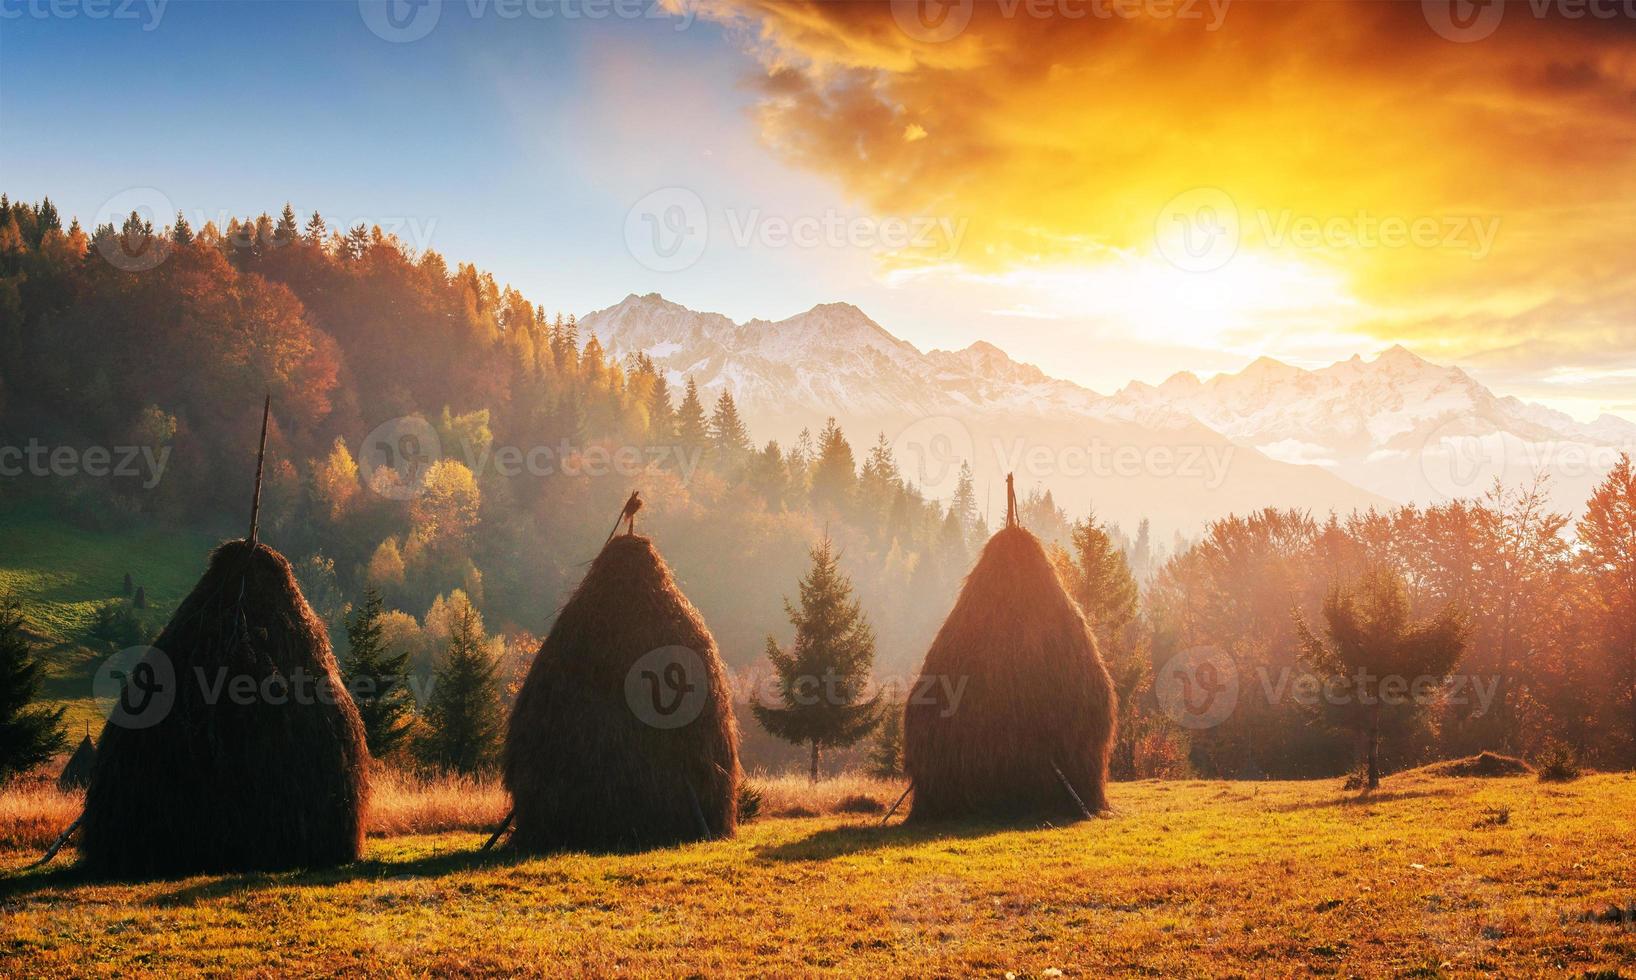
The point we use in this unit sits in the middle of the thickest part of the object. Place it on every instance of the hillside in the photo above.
(1430, 877)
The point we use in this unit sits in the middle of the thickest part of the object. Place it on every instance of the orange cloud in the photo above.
(1482, 186)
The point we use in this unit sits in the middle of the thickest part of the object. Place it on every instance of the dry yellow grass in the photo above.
(795, 796)
(1278, 879)
(32, 814)
(405, 804)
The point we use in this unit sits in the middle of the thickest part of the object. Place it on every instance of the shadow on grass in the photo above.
(197, 888)
(862, 838)
(1360, 799)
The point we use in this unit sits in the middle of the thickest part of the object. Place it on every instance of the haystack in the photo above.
(228, 780)
(1013, 714)
(255, 759)
(77, 773)
(611, 745)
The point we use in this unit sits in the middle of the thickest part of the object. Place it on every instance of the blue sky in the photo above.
(521, 144)
(535, 145)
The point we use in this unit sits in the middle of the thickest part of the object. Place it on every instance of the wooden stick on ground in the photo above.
(1070, 788)
(58, 845)
(500, 830)
(895, 806)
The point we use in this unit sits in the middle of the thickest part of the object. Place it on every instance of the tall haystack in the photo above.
(623, 735)
(77, 773)
(1013, 714)
(235, 746)
(258, 764)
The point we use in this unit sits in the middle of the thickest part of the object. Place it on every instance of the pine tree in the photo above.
(463, 714)
(28, 735)
(317, 231)
(286, 231)
(661, 413)
(821, 677)
(769, 477)
(1371, 642)
(692, 431)
(377, 680)
(729, 438)
(1100, 581)
(835, 474)
(964, 506)
(181, 233)
(128, 587)
(886, 758)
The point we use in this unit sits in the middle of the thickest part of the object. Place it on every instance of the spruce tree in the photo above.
(661, 413)
(835, 473)
(1371, 641)
(286, 231)
(692, 431)
(822, 676)
(377, 680)
(964, 506)
(463, 714)
(886, 758)
(729, 438)
(29, 734)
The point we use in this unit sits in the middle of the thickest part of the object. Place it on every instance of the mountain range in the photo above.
(1358, 433)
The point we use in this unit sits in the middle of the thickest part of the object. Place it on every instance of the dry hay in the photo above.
(76, 774)
(591, 762)
(1012, 691)
(223, 781)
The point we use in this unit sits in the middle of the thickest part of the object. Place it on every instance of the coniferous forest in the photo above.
(162, 342)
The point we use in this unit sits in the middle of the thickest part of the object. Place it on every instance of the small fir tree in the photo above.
(822, 676)
(463, 713)
(29, 734)
(377, 679)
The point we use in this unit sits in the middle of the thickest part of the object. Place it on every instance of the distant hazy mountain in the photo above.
(1355, 434)
(939, 407)
(1397, 425)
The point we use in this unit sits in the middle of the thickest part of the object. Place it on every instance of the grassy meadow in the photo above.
(1429, 876)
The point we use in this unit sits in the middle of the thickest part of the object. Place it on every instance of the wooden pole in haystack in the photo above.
(1071, 792)
(895, 806)
(1011, 500)
(500, 830)
(52, 852)
(261, 461)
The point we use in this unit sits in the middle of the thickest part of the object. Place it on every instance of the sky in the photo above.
(1111, 189)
